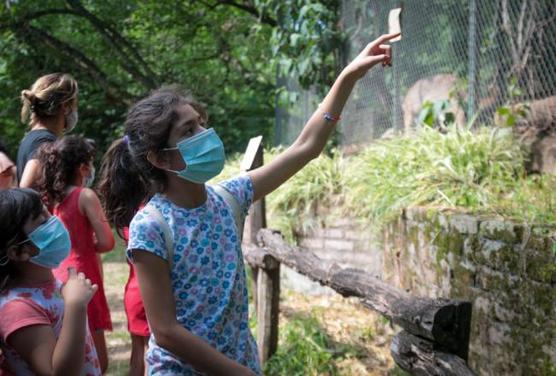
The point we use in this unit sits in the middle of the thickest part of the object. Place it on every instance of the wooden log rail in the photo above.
(435, 335)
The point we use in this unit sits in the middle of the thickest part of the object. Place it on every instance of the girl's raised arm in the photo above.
(316, 132)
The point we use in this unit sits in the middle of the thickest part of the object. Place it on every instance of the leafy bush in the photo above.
(292, 205)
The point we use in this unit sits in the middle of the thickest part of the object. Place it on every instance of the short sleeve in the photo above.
(40, 142)
(241, 187)
(20, 313)
(145, 233)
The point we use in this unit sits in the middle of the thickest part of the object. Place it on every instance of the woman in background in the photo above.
(50, 107)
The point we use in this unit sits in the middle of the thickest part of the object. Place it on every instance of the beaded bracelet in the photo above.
(329, 117)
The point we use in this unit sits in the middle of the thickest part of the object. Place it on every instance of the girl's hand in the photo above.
(375, 52)
(78, 290)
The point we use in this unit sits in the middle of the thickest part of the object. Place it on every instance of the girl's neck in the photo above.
(185, 194)
(54, 125)
(70, 188)
(31, 274)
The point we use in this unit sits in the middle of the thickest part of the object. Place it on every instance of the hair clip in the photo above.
(126, 139)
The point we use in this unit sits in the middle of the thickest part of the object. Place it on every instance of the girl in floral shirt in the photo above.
(42, 325)
(185, 243)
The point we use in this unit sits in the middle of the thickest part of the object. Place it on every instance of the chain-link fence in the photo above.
(475, 56)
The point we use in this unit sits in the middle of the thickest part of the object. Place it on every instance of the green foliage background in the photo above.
(228, 53)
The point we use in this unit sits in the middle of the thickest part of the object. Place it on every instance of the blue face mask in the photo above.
(203, 155)
(53, 241)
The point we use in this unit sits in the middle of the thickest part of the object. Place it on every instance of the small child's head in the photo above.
(48, 96)
(128, 175)
(67, 161)
(28, 233)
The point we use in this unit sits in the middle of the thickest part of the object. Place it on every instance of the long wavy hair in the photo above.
(60, 163)
(127, 177)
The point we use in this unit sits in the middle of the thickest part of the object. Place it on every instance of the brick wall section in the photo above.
(507, 270)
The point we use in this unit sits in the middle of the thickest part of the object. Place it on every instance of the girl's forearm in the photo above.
(316, 132)
(69, 353)
(199, 353)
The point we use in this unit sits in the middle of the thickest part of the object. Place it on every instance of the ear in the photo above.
(19, 253)
(159, 160)
(66, 107)
(85, 169)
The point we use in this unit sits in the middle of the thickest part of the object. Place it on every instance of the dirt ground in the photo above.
(344, 321)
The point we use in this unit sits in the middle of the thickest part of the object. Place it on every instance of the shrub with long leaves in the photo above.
(481, 171)
(292, 206)
(459, 168)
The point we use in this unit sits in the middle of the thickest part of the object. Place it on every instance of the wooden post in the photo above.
(256, 219)
(266, 277)
(252, 159)
(267, 310)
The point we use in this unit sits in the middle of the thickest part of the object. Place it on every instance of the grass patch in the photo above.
(118, 253)
(303, 349)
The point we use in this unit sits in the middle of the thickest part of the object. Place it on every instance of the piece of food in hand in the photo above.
(395, 23)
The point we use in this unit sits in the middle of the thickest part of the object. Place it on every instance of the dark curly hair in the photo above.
(17, 205)
(127, 177)
(60, 162)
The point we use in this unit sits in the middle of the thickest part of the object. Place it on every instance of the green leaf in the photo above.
(503, 111)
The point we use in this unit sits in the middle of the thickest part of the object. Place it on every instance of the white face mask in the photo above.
(71, 121)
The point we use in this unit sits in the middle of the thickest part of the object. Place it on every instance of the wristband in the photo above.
(329, 117)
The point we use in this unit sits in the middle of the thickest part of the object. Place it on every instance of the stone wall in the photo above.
(508, 272)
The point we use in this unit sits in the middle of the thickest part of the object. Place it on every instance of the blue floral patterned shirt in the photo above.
(207, 274)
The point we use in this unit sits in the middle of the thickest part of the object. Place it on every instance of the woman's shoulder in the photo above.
(31, 142)
(38, 136)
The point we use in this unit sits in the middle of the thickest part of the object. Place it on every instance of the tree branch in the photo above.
(7, 24)
(262, 17)
(122, 47)
(79, 59)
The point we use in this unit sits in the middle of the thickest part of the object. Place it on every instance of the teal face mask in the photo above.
(53, 241)
(203, 155)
